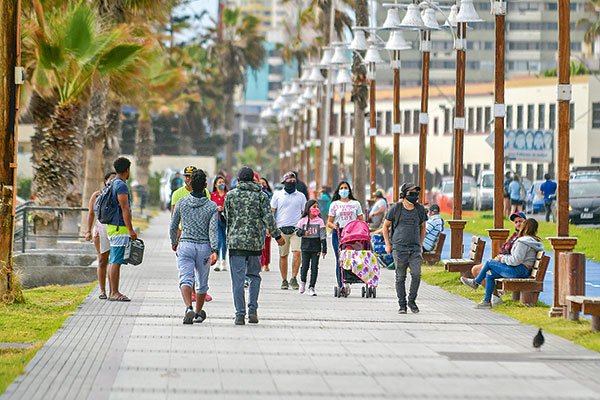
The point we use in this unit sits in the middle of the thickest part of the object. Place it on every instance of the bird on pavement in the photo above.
(538, 340)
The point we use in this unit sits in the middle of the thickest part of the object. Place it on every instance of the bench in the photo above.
(434, 256)
(464, 265)
(589, 306)
(527, 290)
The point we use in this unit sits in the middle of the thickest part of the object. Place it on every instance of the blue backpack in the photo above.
(106, 205)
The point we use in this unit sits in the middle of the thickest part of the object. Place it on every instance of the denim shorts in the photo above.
(193, 263)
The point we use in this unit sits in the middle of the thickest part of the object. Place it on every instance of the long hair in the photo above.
(307, 207)
(214, 189)
(530, 228)
(268, 184)
(336, 194)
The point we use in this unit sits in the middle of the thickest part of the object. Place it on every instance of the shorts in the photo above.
(99, 231)
(292, 242)
(516, 202)
(118, 236)
(193, 263)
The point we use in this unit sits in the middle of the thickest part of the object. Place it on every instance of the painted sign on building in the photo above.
(527, 144)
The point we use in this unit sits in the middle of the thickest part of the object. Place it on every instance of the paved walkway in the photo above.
(304, 347)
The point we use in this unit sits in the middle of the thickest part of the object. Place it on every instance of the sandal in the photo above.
(103, 296)
(120, 298)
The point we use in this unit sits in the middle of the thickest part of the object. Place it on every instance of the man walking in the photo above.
(197, 245)
(247, 214)
(407, 221)
(288, 205)
(548, 189)
(120, 229)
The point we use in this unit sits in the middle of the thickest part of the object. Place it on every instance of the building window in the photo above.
(480, 121)
(519, 117)
(470, 120)
(407, 122)
(487, 121)
(436, 127)
(530, 116)
(572, 115)
(595, 115)
(388, 122)
(446, 120)
(509, 117)
(541, 116)
(416, 121)
(378, 121)
(552, 116)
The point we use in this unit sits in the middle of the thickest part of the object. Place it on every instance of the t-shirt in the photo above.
(514, 190)
(379, 205)
(344, 212)
(288, 207)
(119, 187)
(548, 188)
(181, 193)
(407, 231)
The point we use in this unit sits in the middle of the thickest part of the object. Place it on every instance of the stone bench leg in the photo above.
(595, 323)
(573, 310)
(516, 296)
(527, 298)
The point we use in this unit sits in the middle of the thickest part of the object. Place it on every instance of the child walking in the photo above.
(311, 229)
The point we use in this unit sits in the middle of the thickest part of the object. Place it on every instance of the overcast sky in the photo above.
(197, 7)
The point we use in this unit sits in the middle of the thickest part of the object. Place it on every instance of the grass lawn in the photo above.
(588, 238)
(33, 323)
(577, 332)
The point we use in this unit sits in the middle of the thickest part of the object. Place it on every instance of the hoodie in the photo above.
(198, 217)
(523, 252)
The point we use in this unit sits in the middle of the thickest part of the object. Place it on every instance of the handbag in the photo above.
(288, 230)
(134, 252)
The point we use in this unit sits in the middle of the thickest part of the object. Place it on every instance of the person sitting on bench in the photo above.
(433, 227)
(517, 264)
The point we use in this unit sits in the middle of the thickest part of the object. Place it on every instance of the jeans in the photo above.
(403, 260)
(242, 267)
(222, 246)
(493, 270)
(193, 262)
(548, 208)
(310, 259)
(335, 242)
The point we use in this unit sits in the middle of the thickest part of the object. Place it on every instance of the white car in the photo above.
(483, 192)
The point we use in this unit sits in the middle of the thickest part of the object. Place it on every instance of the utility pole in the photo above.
(10, 58)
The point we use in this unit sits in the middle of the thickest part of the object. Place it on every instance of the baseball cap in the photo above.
(409, 186)
(288, 175)
(517, 215)
(434, 208)
(190, 169)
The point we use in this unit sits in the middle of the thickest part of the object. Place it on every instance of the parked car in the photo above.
(584, 201)
(446, 190)
(589, 172)
(483, 192)
(535, 199)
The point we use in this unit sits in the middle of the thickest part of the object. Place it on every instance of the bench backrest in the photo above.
(439, 244)
(538, 272)
(476, 249)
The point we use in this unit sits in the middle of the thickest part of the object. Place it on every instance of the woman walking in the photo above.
(516, 192)
(344, 208)
(218, 196)
(311, 229)
(265, 259)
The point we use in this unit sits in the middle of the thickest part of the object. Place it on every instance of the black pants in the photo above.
(310, 259)
(548, 207)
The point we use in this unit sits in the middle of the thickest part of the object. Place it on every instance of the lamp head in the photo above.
(315, 75)
(467, 12)
(343, 77)
(397, 42)
(372, 56)
(392, 21)
(359, 42)
(412, 20)
(340, 55)
(430, 20)
(451, 21)
(326, 57)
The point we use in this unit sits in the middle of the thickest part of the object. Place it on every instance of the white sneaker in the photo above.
(302, 287)
(496, 300)
(311, 292)
(223, 265)
(218, 266)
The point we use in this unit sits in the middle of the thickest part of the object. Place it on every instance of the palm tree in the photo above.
(591, 25)
(72, 49)
(240, 48)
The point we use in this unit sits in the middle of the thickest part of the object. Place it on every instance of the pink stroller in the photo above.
(357, 261)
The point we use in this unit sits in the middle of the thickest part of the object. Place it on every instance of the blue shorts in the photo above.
(117, 254)
(193, 263)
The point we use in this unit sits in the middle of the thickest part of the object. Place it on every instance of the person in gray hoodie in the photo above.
(197, 246)
(517, 264)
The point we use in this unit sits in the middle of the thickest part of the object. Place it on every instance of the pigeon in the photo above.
(538, 340)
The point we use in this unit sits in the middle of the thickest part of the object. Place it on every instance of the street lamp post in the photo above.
(343, 80)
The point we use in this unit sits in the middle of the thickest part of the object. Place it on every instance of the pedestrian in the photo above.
(377, 213)
(548, 189)
(247, 214)
(288, 205)
(433, 227)
(506, 194)
(217, 195)
(120, 229)
(96, 232)
(324, 201)
(301, 186)
(311, 229)
(265, 258)
(196, 244)
(517, 194)
(343, 209)
(176, 183)
(406, 220)
(517, 264)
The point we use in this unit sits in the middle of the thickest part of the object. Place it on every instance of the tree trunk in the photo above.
(112, 137)
(41, 109)
(229, 121)
(144, 148)
(359, 97)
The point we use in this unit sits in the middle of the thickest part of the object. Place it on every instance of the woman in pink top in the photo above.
(311, 229)
(218, 196)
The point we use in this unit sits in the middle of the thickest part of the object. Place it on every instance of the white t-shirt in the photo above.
(288, 207)
(344, 212)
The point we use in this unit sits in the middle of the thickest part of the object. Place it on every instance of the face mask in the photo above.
(344, 193)
(412, 197)
(290, 187)
(314, 212)
(221, 186)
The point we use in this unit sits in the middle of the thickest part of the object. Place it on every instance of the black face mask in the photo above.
(290, 187)
(412, 197)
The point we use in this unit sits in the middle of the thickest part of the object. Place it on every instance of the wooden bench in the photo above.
(434, 256)
(589, 306)
(464, 265)
(527, 290)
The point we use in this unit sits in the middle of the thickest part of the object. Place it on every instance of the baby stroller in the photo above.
(385, 260)
(357, 262)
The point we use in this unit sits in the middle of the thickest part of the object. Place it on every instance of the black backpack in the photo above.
(106, 204)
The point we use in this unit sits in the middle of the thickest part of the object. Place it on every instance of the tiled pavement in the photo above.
(304, 347)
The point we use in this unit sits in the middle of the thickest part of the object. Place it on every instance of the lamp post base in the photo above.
(457, 227)
(498, 237)
(560, 245)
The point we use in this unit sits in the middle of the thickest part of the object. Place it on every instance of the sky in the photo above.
(197, 7)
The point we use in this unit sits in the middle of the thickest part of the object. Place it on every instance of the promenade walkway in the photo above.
(304, 347)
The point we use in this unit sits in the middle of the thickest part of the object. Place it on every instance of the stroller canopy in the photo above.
(355, 230)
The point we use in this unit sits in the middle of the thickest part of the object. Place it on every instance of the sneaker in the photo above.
(208, 298)
(252, 317)
(469, 282)
(402, 310)
(302, 287)
(188, 318)
(484, 305)
(294, 284)
(284, 285)
(496, 300)
(218, 266)
(413, 307)
(199, 318)
(246, 283)
(224, 265)
(311, 291)
(240, 320)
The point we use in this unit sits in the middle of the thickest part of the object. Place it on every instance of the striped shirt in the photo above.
(433, 228)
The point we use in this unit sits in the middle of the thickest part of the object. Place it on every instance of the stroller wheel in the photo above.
(363, 291)
(367, 292)
(336, 291)
(346, 290)
(374, 292)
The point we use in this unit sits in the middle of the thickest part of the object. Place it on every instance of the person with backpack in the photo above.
(407, 222)
(120, 228)
(96, 232)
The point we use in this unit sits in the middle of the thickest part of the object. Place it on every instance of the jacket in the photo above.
(523, 252)
(198, 218)
(247, 212)
(313, 234)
